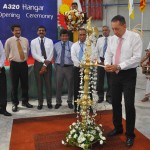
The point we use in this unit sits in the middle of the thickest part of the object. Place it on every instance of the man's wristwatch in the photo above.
(118, 67)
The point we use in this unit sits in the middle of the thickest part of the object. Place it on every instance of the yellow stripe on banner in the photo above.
(128, 6)
(132, 15)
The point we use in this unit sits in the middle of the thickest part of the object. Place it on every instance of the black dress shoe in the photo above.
(114, 133)
(100, 100)
(129, 141)
(5, 113)
(14, 108)
(57, 106)
(70, 106)
(109, 101)
(39, 107)
(50, 106)
(26, 104)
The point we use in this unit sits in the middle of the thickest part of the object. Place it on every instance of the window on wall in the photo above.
(93, 8)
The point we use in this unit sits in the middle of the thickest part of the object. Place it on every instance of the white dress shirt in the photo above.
(131, 50)
(99, 47)
(2, 55)
(75, 49)
(36, 49)
(148, 46)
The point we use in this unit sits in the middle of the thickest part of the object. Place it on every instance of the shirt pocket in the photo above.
(67, 53)
(126, 51)
(24, 49)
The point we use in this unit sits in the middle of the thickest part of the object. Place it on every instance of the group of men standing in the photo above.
(42, 49)
(120, 53)
(67, 58)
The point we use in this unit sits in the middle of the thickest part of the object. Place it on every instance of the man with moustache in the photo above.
(121, 59)
(16, 49)
(63, 68)
(42, 52)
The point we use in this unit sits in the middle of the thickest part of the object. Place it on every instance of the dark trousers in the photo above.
(64, 73)
(3, 90)
(47, 77)
(100, 83)
(77, 80)
(124, 81)
(19, 70)
(76, 84)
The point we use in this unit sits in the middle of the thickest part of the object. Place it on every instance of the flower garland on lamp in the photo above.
(74, 20)
(85, 132)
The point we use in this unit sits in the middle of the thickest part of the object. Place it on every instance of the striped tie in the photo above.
(105, 47)
(63, 54)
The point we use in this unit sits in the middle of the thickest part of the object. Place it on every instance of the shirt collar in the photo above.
(17, 38)
(125, 35)
(40, 38)
(63, 42)
(81, 42)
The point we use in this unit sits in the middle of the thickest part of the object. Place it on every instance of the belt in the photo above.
(65, 65)
(18, 62)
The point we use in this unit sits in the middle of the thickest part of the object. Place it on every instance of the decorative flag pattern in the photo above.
(142, 5)
(131, 9)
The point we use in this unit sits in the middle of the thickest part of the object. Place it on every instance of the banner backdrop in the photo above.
(29, 14)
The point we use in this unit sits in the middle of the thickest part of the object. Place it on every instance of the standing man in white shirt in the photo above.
(77, 52)
(42, 52)
(121, 59)
(3, 83)
(101, 46)
(16, 49)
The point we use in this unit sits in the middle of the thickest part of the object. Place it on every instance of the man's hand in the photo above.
(142, 64)
(46, 62)
(43, 70)
(111, 68)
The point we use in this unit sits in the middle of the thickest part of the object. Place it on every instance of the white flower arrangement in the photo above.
(74, 19)
(84, 137)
